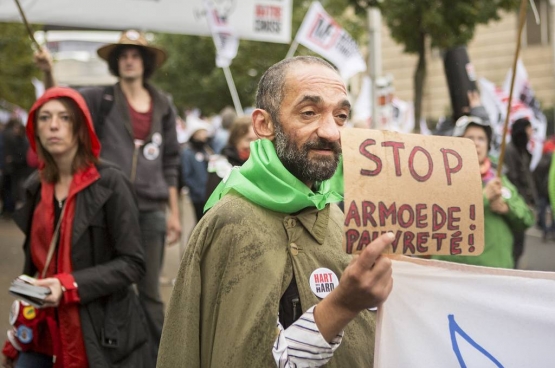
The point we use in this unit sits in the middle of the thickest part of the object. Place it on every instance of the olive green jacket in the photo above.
(239, 261)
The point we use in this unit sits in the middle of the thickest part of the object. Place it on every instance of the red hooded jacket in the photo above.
(67, 343)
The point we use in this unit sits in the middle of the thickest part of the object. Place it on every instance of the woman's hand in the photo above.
(499, 206)
(492, 190)
(43, 60)
(52, 300)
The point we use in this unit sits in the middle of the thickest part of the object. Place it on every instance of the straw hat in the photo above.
(134, 38)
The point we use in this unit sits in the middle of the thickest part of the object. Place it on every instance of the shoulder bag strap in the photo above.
(53, 243)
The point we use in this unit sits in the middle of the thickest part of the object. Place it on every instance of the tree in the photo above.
(17, 67)
(446, 23)
(192, 78)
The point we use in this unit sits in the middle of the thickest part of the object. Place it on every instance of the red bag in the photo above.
(33, 329)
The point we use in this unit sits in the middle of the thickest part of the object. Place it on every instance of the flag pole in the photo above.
(292, 49)
(29, 30)
(521, 22)
(233, 91)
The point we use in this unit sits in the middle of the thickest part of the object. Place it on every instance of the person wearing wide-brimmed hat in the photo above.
(136, 126)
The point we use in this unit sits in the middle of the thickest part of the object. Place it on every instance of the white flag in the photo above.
(321, 34)
(442, 314)
(362, 109)
(224, 36)
(523, 96)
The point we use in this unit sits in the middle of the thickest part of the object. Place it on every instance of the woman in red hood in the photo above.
(82, 242)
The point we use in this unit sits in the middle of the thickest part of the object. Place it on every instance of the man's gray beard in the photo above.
(296, 160)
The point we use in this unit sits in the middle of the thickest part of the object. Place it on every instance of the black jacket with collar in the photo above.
(107, 259)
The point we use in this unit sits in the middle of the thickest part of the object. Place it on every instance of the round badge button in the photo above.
(157, 139)
(323, 281)
(13, 340)
(151, 151)
(29, 312)
(24, 334)
(199, 156)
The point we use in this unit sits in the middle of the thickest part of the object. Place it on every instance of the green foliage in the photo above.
(16, 65)
(448, 23)
(190, 75)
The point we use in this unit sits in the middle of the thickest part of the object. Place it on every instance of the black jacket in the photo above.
(107, 259)
(517, 163)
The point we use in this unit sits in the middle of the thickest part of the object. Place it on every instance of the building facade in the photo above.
(491, 52)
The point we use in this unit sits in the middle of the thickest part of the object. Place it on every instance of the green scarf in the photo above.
(265, 181)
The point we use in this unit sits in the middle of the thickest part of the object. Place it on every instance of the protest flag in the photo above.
(320, 33)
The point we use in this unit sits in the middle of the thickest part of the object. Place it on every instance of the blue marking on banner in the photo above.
(455, 329)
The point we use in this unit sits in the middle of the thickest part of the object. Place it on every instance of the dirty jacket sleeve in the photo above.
(225, 301)
(180, 343)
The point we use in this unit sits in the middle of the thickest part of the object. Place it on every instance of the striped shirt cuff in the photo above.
(302, 344)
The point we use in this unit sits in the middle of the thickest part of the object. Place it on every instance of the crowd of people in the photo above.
(93, 180)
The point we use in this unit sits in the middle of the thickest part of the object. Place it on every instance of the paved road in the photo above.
(538, 255)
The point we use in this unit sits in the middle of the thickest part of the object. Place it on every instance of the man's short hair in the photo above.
(149, 60)
(271, 87)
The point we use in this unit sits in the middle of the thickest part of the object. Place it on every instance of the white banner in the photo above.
(321, 34)
(224, 36)
(258, 20)
(443, 314)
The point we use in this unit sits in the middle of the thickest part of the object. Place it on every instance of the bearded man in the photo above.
(259, 282)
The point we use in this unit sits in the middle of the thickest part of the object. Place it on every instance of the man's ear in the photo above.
(262, 124)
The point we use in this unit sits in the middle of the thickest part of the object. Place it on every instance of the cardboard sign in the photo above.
(445, 314)
(427, 190)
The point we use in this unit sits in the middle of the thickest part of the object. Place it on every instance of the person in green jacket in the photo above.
(504, 209)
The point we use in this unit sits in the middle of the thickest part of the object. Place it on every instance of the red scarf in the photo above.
(72, 352)
(487, 171)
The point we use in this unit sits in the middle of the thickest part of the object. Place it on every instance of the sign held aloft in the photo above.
(427, 190)
(320, 33)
